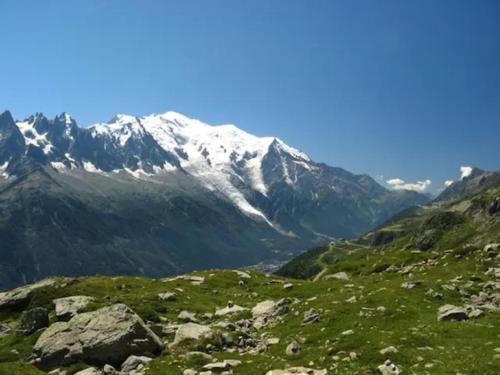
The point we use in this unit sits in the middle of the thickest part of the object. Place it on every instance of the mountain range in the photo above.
(164, 194)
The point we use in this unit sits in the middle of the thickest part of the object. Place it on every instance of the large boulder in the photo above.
(108, 335)
(191, 331)
(451, 312)
(34, 319)
(18, 298)
(68, 307)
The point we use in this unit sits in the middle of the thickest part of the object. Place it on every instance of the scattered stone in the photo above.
(389, 368)
(492, 249)
(493, 272)
(4, 329)
(187, 316)
(265, 312)
(272, 340)
(311, 316)
(338, 276)
(191, 331)
(473, 312)
(165, 297)
(190, 372)
(451, 312)
(293, 348)
(348, 332)
(297, 371)
(33, 320)
(230, 309)
(134, 363)
(68, 307)
(109, 370)
(353, 299)
(287, 286)
(433, 294)
(89, 371)
(388, 350)
(411, 284)
(225, 365)
(242, 274)
(105, 336)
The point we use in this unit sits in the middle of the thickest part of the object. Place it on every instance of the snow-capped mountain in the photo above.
(277, 195)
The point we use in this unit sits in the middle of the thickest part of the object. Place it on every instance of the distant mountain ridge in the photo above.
(265, 198)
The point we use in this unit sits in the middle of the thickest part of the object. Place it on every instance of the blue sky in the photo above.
(399, 89)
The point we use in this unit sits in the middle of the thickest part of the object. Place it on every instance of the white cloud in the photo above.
(399, 184)
(448, 183)
(466, 171)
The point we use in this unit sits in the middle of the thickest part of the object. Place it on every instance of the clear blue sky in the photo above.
(403, 89)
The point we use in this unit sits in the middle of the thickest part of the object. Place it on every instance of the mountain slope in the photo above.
(163, 194)
(461, 226)
(429, 311)
(476, 182)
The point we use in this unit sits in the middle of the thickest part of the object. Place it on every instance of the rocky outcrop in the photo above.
(108, 335)
(20, 297)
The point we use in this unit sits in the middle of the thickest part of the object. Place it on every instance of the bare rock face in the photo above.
(68, 307)
(105, 336)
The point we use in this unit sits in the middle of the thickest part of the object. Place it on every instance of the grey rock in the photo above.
(187, 316)
(311, 316)
(20, 297)
(165, 297)
(389, 350)
(68, 307)
(338, 276)
(190, 372)
(293, 348)
(297, 371)
(105, 336)
(109, 370)
(389, 368)
(265, 312)
(229, 310)
(34, 319)
(133, 362)
(451, 312)
(191, 331)
(89, 371)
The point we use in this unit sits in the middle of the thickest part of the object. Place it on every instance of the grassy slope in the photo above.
(409, 322)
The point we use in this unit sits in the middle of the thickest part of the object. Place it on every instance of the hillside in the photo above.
(421, 292)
